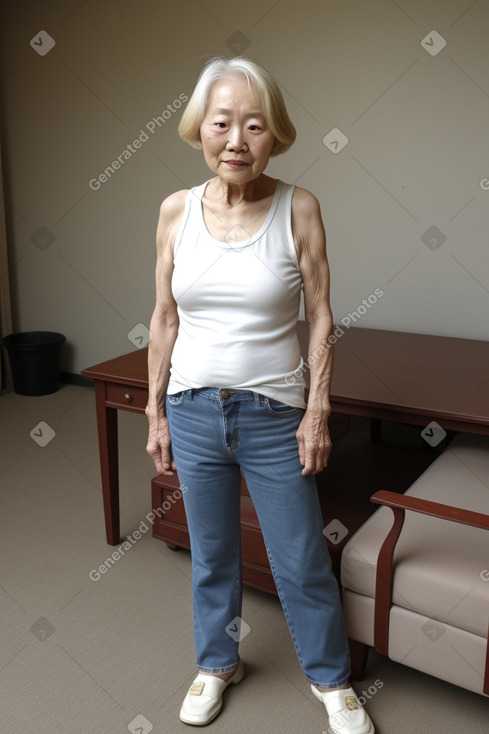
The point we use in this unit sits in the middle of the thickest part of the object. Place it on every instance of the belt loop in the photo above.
(259, 399)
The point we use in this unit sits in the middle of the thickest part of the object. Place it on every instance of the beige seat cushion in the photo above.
(441, 569)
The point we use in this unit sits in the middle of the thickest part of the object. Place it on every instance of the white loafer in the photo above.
(346, 713)
(203, 701)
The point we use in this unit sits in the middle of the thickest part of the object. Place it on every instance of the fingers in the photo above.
(161, 455)
(312, 457)
(314, 443)
(166, 465)
(314, 463)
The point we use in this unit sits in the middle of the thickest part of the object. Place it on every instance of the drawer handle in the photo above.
(128, 397)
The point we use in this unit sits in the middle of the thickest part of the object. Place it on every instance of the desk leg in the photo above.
(109, 463)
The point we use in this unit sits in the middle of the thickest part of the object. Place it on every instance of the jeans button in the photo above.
(224, 394)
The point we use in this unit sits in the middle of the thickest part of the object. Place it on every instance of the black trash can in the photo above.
(35, 361)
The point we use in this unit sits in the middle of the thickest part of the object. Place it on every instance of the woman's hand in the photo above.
(314, 442)
(159, 446)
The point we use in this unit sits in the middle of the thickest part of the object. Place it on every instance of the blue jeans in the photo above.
(216, 433)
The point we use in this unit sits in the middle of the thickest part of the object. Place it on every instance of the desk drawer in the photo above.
(123, 396)
(171, 506)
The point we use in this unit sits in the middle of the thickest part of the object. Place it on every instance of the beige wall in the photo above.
(417, 156)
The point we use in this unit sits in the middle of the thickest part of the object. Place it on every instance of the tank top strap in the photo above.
(284, 215)
(193, 204)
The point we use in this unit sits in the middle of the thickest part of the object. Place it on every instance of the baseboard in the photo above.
(72, 378)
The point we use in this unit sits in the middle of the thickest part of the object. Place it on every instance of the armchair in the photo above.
(418, 589)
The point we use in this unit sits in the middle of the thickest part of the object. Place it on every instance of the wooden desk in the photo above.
(413, 378)
(386, 375)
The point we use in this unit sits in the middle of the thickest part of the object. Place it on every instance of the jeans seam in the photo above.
(284, 605)
(238, 588)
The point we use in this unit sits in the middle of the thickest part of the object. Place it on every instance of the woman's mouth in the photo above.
(236, 164)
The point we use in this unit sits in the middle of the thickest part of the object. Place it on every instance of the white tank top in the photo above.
(238, 304)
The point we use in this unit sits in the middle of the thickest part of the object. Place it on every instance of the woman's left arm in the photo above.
(310, 239)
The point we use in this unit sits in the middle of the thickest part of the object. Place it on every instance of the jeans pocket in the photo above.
(176, 398)
(275, 407)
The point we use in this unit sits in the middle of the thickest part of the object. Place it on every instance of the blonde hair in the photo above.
(266, 88)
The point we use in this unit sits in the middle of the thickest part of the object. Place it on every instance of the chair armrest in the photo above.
(433, 509)
(399, 503)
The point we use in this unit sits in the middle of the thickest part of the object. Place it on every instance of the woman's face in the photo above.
(235, 139)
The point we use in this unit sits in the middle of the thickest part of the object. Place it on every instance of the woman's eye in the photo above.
(254, 127)
(221, 124)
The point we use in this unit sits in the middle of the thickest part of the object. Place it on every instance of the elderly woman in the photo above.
(226, 392)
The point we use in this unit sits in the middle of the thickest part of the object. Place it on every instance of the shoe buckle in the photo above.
(196, 689)
(351, 703)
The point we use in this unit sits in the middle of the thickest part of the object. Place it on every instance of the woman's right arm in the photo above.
(163, 330)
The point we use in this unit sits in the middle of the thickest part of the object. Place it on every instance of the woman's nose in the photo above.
(236, 141)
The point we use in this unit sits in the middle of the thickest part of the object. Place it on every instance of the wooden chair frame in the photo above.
(384, 579)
